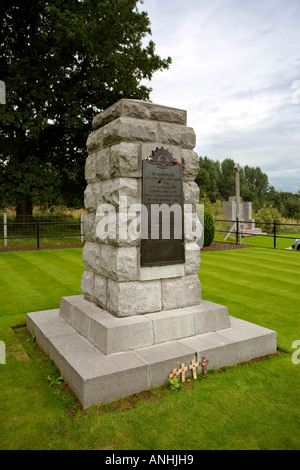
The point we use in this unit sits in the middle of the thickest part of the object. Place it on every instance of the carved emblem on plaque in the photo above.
(162, 158)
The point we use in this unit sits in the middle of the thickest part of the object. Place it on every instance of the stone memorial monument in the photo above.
(247, 223)
(141, 317)
(235, 208)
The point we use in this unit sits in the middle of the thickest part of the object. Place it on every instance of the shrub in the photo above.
(267, 214)
(215, 208)
(209, 228)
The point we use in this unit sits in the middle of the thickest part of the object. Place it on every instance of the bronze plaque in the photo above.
(162, 230)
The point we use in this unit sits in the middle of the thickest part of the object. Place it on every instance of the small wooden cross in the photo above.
(204, 364)
(174, 374)
(182, 371)
(193, 367)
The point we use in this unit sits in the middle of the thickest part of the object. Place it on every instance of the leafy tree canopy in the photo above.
(217, 183)
(63, 61)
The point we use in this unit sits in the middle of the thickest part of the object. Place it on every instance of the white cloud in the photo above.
(234, 66)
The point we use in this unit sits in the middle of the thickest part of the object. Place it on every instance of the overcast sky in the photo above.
(236, 70)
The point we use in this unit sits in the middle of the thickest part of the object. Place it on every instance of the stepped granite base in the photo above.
(104, 358)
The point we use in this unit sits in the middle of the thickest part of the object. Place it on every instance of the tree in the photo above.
(290, 204)
(227, 179)
(63, 61)
(218, 181)
(257, 184)
(208, 178)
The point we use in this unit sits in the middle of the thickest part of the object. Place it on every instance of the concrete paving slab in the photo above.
(209, 316)
(47, 323)
(171, 324)
(218, 350)
(66, 306)
(251, 340)
(112, 334)
(163, 358)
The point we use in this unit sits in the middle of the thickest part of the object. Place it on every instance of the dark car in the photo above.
(296, 244)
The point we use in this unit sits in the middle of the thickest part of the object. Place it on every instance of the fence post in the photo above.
(81, 227)
(37, 234)
(237, 231)
(274, 231)
(5, 228)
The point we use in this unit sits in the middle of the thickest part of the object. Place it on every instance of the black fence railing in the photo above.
(41, 227)
(238, 231)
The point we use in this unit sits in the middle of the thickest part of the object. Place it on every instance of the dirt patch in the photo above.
(219, 246)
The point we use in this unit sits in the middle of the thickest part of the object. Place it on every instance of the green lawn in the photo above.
(249, 406)
(268, 242)
(283, 240)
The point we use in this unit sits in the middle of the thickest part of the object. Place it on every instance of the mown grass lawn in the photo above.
(284, 240)
(250, 406)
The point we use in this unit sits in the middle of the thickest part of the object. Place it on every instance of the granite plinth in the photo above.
(104, 358)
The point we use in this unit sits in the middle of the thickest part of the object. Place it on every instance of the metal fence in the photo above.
(237, 230)
(40, 227)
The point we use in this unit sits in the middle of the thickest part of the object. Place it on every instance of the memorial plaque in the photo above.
(162, 221)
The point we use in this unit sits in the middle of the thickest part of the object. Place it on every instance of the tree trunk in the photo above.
(24, 216)
(24, 211)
